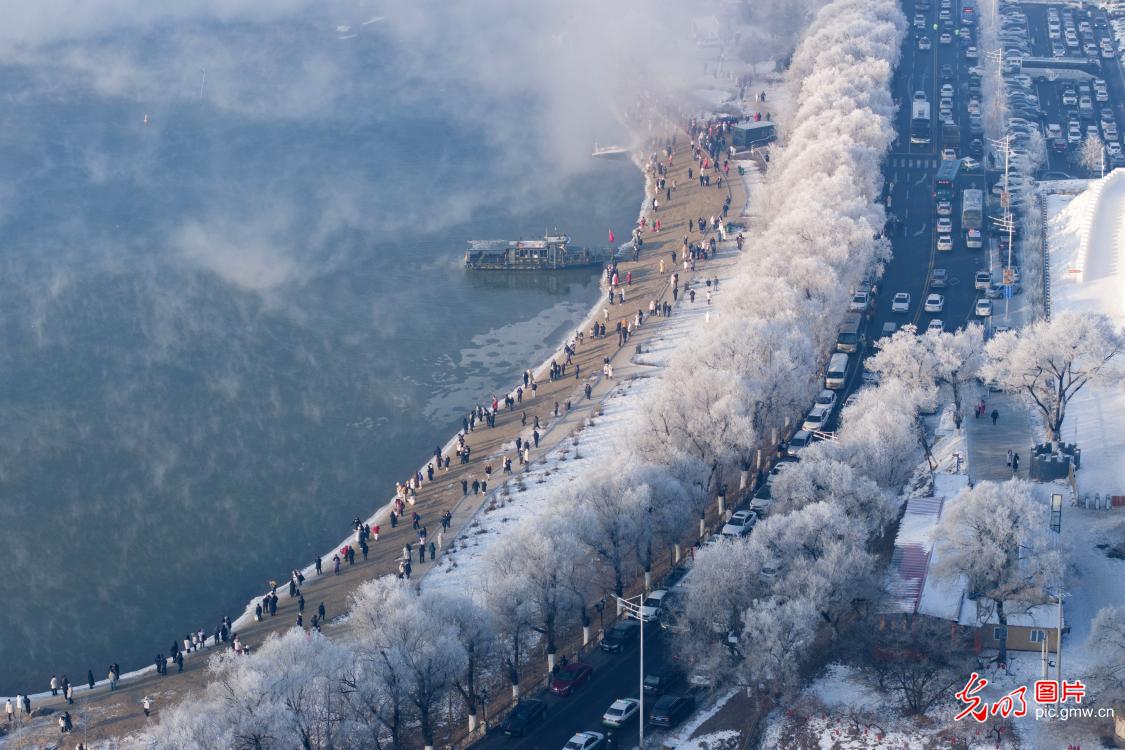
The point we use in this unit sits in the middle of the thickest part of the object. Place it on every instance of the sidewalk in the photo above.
(988, 444)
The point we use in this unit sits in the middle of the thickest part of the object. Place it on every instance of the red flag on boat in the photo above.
(611, 236)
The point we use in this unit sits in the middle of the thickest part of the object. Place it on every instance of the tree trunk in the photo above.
(676, 554)
(472, 722)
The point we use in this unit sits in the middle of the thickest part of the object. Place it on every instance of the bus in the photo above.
(972, 208)
(946, 180)
(920, 122)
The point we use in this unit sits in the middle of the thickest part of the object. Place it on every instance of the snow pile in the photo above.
(1086, 241)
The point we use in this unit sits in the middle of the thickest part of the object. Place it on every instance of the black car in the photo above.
(658, 683)
(527, 713)
(670, 710)
(620, 635)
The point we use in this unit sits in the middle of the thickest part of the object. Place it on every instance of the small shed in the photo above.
(748, 134)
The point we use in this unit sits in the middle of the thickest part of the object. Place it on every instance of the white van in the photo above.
(837, 371)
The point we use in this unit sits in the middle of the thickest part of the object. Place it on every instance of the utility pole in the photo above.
(634, 605)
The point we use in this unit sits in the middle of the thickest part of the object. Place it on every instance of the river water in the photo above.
(226, 331)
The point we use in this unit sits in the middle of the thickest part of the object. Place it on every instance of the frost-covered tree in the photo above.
(476, 632)
(288, 694)
(995, 535)
(878, 436)
(603, 518)
(541, 559)
(409, 638)
(1052, 361)
(706, 415)
(513, 618)
(776, 639)
(1092, 155)
(817, 479)
(665, 509)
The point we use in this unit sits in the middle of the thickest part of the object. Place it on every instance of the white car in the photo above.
(944, 243)
(622, 710)
(948, 154)
(585, 741)
(946, 38)
(983, 308)
(859, 302)
(900, 303)
(971, 53)
(935, 303)
(816, 418)
(936, 325)
(826, 398)
(740, 524)
(982, 280)
(969, 164)
(650, 608)
(947, 89)
(944, 225)
(944, 208)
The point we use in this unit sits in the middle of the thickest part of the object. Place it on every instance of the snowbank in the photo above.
(1086, 242)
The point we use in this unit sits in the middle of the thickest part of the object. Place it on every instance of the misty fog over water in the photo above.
(227, 331)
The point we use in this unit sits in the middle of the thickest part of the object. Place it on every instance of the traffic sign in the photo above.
(1007, 291)
(1009, 277)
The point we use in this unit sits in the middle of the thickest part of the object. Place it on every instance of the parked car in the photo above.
(901, 302)
(936, 325)
(622, 711)
(527, 713)
(620, 635)
(740, 524)
(816, 418)
(653, 603)
(860, 301)
(935, 303)
(796, 444)
(826, 398)
(585, 741)
(670, 710)
(569, 677)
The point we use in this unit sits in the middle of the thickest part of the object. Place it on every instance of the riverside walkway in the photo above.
(101, 714)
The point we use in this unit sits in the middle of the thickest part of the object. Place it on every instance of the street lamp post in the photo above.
(634, 605)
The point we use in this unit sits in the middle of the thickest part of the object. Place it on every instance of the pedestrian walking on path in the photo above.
(1009, 461)
(995, 415)
(147, 705)
(1015, 463)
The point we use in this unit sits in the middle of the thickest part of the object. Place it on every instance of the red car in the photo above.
(569, 677)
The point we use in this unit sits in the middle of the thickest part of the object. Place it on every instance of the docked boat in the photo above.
(553, 252)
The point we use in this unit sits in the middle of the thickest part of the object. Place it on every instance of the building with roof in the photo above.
(916, 586)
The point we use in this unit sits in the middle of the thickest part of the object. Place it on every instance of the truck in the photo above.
(950, 135)
(972, 209)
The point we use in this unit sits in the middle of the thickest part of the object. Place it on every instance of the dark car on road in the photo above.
(569, 677)
(658, 683)
(620, 635)
(670, 710)
(527, 713)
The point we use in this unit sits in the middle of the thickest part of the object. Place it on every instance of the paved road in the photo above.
(615, 676)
